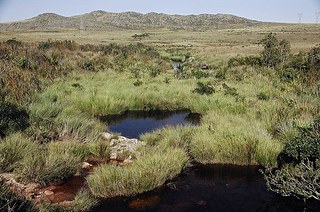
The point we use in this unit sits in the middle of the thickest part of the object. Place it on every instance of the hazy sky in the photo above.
(264, 10)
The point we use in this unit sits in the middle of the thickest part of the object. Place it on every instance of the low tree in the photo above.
(275, 51)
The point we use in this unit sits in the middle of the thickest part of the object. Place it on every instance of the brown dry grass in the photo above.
(221, 43)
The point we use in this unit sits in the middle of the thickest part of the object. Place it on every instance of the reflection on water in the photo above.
(132, 124)
(211, 188)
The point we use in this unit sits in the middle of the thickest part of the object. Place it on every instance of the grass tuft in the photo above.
(143, 175)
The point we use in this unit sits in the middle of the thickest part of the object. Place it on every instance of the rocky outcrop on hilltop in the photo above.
(101, 20)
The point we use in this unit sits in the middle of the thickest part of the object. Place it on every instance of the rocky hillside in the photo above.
(101, 20)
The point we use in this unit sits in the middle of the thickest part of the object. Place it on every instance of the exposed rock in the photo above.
(86, 165)
(122, 148)
(101, 20)
(107, 136)
(48, 193)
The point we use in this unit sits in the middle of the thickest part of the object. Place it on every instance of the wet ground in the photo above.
(199, 188)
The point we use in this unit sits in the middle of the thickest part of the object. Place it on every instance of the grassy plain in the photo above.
(209, 43)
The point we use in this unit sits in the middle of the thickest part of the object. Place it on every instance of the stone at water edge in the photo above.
(122, 148)
(48, 193)
(106, 135)
(144, 203)
(86, 165)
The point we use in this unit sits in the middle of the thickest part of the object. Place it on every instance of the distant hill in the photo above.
(101, 20)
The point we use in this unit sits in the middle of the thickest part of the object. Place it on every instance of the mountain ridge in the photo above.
(102, 20)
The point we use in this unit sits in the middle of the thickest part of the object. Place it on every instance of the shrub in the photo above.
(313, 58)
(221, 74)
(305, 147)
(299, 150)
(301, 181)
(22, 62)
(246, 60)
(200, 74)
(45, 45)
(145, 174)
(88, 65)
(166, 80)
(288, 74)
(263, 96)
(13, 43)
(275, 51)
(12, 118)
(229, 90)
(204, 88)
(154, 70)
(137, 83)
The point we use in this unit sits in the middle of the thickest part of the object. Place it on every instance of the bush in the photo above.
(204, 88)
(88, 65)
(305, 147)
(229, 90)
(301, 181)
(263, 96)
(200, 74)
(221, 74)
(299, 150)
(12, 118)
(275, 51)
(145, 174)
(137, 83)
(22, 62)
(313, 58)
(154, 70)
(246, 60)
(288, 74)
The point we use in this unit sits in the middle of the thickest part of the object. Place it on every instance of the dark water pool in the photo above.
(200, 188)
(211, 188)
(132, 124)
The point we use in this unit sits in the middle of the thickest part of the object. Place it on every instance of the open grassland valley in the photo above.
(258, 99)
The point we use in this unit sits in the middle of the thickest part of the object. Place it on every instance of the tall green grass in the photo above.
(233, 139)
(145, 174)
(13, 149)
(50, 163)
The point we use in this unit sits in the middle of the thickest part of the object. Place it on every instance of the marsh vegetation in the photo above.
(255, 110)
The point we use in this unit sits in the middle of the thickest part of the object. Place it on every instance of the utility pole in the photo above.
(317, 16)
(300, 17)
(82, 27)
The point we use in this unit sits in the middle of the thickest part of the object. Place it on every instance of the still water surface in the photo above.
(200, 188)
